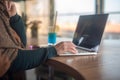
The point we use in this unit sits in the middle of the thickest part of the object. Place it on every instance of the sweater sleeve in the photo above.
(17, 24)
(27, 59)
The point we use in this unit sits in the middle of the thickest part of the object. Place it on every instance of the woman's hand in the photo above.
(4, 64)
(11, 8)
(65, 46)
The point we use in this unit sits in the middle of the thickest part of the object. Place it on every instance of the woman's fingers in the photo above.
(70, 49)
(11, 8)
(65, 46)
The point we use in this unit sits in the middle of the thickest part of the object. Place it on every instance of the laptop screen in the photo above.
(89, 31)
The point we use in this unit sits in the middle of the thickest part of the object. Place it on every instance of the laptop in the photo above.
(88, 34)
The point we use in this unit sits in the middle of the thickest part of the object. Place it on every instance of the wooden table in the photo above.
(104, 66)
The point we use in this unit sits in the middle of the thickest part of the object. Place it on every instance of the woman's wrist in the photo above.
(51, 52)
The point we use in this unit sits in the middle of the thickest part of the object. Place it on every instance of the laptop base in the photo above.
(78, 54)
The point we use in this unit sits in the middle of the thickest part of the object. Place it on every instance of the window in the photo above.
(112, 6)
(68, 14)
(113, 27)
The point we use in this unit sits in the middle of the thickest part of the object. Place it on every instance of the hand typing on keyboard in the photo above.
(66, 46)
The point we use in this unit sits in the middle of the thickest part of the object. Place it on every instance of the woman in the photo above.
(13, 42)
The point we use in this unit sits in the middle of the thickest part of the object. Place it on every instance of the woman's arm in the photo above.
(27, 59)
(17, 24)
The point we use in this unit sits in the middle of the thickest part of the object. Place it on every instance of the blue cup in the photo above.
(51, 38)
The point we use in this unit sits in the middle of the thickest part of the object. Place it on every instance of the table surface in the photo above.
(104, 66)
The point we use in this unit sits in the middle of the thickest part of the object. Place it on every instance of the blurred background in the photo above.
(38, 15)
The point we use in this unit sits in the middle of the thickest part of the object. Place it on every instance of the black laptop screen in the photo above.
(89, 30)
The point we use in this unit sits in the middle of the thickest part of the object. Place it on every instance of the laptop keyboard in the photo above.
(82, 51)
